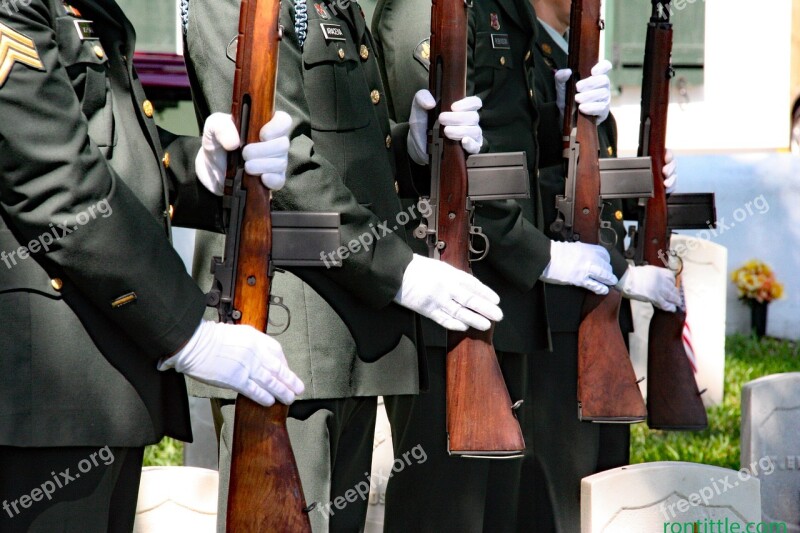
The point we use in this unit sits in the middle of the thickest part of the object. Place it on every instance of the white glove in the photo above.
(670, 172)
(239, 358)
(593, 94)
(448, 296)
(579, 264)
(562, 77)
(269, 158)
(651, 284)
(462, 123)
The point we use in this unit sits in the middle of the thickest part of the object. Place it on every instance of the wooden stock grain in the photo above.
(480, 419)
(265, 493)
(673, 398)
(607, 388)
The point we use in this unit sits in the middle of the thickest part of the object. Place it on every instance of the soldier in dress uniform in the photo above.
(571, 450)
(98, 307)
(352, 335)
(459, 494)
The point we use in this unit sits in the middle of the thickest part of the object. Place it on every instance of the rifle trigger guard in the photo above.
(605, 228)
(278, 301)
(476, 231)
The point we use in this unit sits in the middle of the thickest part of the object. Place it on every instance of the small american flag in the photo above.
(687, 333)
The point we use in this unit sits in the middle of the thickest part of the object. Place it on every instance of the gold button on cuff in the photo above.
(98, 51)
(375, 95)
(147, 107)
(364, 52)
(388, 141)
(166, 159)
(341, 53)
(502, 60)
(618, 215)
(56, 283)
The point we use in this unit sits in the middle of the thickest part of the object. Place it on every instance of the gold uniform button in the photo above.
(56, 283)
(530, 93)
(98, 51)
(502, 60)
(396, 187)
(341, 53)
(364, 52)
(166, 159)
(147, 107)
(375, 95)
(171, 211)
(610, 150)
(388, 141)
(527, 55)
(618, 215)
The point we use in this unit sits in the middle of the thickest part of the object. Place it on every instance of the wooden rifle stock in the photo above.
(480, 418)
(265, 492)
(607, 387)
(673, 399)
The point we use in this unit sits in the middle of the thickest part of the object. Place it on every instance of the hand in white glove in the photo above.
(462, 123)
(670, 172)
(651, 284)
(268, 158)
(593, 93)
(239, 358)
(579, 264)
(448, 296)
(562, 77)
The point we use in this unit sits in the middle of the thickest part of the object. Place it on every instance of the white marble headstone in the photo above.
(771, 437)
(177, 498)
(653, 496)
(705, 282)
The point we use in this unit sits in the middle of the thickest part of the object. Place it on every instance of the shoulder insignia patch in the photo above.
(422, 53)
(494, 21)
(16, 48)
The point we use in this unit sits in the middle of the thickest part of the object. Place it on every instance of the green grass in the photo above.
(746, 359)
(168, 452)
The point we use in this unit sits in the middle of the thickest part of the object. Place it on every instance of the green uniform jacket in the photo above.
(519, 250)
(564, 302)
(341, 160)
(81, 172)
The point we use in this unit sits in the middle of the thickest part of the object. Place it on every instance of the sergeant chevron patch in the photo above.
(16, 48)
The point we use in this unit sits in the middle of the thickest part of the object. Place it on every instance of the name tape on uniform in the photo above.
(85, 30)
(500, 41)
(332, 32)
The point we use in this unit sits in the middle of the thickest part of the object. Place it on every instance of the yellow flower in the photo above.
(756, 280)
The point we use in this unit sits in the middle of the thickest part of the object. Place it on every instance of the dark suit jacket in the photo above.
(81, 151)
